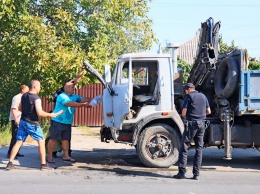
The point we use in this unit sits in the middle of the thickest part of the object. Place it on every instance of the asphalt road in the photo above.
(90, 152)
(115, 168)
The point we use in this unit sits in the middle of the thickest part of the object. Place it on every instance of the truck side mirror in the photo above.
(107, 73)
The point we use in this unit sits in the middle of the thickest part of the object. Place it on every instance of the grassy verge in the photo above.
(5, 134)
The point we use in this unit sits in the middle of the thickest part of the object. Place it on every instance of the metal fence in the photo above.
(83, 116)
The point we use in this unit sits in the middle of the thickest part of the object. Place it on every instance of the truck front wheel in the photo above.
(158, 146)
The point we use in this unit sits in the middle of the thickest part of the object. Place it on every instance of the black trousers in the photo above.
(14, 133)
(194, 130)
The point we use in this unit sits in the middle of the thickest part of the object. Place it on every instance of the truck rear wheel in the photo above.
(158, 146)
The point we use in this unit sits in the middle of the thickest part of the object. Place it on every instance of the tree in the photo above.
(186, 68)
(47, 40)
(254, 64)
(224, 48)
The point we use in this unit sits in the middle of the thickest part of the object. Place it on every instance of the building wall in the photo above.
(187, 51)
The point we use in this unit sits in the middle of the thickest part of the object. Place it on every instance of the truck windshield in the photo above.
(144, 73)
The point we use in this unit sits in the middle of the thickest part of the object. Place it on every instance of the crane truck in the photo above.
(142, 101)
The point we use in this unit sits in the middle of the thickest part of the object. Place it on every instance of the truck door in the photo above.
(107, 108)
(123, 92)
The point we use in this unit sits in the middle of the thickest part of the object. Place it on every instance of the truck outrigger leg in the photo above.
(227, 134)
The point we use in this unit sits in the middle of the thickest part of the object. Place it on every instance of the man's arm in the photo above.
(15, 114)
(77, 104)
(208, 111)
(40, 112)
(85, 99)
(85, 102)
(16, 102)
(183, 113)
(76, 80)
(92, 101)
(20, 107)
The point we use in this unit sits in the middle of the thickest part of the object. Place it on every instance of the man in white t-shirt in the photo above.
(15, 116)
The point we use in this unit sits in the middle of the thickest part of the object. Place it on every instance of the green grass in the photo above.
(45, 125)
(5, 134)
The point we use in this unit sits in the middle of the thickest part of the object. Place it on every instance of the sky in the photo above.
(178, 21)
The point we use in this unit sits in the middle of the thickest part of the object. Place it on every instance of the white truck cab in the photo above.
(138, 107)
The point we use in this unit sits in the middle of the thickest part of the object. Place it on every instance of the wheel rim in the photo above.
(159, 146)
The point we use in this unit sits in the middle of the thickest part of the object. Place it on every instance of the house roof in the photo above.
(187, 51)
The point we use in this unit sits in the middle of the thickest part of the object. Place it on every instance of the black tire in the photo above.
(162, 154)
(226, 78)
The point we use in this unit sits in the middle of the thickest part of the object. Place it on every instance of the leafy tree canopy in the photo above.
(186, 68)
(225, 48)
(254, 64)
(48, 40)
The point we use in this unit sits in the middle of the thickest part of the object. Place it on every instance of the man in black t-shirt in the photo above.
(194, 111)
(31, 109)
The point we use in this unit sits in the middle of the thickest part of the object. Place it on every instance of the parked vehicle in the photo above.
(142, 103)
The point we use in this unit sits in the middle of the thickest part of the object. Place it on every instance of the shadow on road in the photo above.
(128, 172)
(118, 159)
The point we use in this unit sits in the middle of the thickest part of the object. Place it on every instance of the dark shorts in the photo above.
(26, 129)
(60, 131)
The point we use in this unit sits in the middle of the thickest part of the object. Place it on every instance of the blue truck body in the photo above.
(249, 102)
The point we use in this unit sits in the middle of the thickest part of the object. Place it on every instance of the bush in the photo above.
(5, 134)
(186, 68)
(45, 125)
(4, 118)
(254, 64)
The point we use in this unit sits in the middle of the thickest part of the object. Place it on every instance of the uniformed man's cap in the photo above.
(188, 85)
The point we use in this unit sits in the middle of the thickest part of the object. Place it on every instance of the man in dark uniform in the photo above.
(195, 109)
